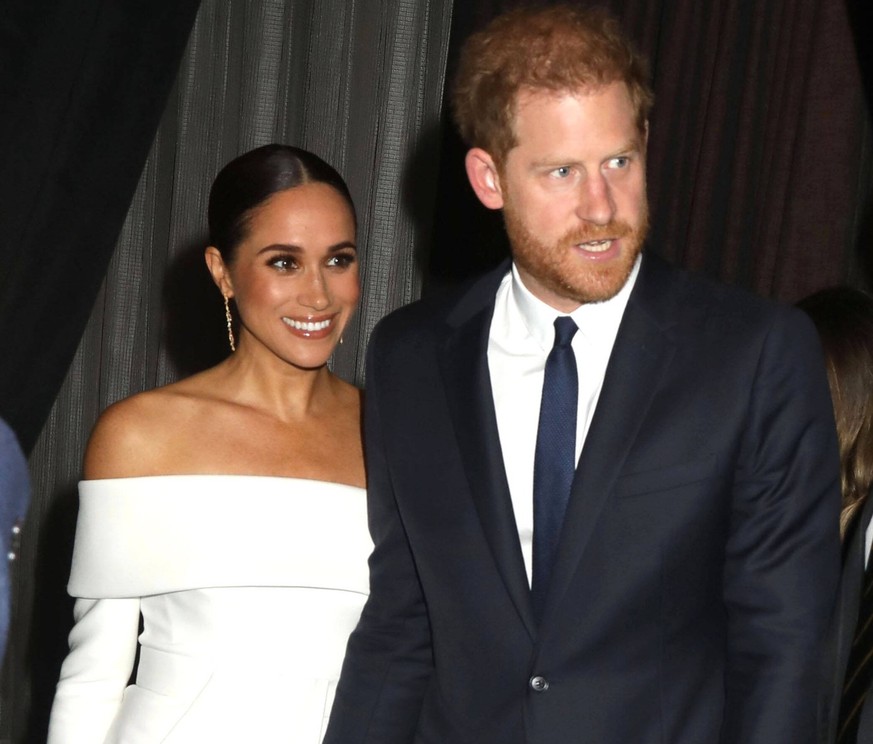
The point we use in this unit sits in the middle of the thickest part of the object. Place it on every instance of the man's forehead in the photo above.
(534, 96)
(610, 105)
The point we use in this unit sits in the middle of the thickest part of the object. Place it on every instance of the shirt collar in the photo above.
(597, 321)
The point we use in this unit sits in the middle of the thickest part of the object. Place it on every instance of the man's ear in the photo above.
(218, 269)
(482, 173)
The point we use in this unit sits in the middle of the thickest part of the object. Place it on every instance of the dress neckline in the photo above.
(218, 476)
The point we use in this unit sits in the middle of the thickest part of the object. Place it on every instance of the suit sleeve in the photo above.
(388, 661)
(14, 496)
(96, 671)
(782, 561)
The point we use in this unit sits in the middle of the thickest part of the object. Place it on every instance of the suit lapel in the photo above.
(464, 368)
(642, 351)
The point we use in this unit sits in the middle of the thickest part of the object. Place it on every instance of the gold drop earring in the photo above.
(229, 323)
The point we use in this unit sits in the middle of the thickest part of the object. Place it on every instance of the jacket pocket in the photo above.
(668, 478)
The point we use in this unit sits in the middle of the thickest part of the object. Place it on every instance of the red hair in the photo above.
(559, 48)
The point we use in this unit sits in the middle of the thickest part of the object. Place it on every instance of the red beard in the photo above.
(560, 269)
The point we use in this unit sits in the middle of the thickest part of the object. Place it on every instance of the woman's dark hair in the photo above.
(843, 317)
(248, 181)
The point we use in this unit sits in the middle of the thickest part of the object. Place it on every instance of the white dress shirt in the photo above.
(522, 335)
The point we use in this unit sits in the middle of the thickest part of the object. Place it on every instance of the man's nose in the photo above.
(596, 204)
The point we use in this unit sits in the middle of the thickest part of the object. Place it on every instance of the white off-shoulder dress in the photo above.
(248, 588)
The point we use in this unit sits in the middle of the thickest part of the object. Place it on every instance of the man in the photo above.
(675, 588)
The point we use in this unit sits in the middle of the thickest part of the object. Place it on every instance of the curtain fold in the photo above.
(756, 155)
(84, 88)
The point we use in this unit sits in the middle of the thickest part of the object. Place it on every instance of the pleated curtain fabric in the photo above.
(359, 82)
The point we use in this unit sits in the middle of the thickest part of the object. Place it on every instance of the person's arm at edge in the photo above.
(14, 500)
(782, 557)
(388, 661)
(96, 670)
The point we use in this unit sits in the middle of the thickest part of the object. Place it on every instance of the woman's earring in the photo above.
(229, 323)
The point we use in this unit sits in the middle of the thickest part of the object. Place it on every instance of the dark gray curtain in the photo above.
(82, 87)
(360, 82)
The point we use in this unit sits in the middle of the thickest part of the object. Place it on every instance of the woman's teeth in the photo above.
(305, 325)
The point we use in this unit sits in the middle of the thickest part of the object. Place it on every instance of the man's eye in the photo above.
(620, 162)
(562, 172)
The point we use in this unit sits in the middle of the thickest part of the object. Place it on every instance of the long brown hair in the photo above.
(843, 317)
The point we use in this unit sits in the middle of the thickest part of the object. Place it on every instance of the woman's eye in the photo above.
(341, 260)
(283, 263)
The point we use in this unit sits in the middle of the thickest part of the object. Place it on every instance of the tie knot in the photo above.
(565, 329)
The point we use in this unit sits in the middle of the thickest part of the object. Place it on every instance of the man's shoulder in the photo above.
(440, 312)
(695, 297)
(688, 284)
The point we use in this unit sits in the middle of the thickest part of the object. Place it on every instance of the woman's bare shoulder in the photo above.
(132, 436)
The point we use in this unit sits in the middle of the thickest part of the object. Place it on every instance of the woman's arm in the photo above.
(96, 671)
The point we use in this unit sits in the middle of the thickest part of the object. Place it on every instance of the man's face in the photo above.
(574, 194)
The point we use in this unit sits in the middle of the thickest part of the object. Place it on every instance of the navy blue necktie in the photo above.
(554, 461)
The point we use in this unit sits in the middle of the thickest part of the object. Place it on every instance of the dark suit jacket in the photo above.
(843, 631)
(699, 557)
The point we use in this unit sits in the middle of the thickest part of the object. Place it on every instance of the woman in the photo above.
(843, 318)
(227, 510)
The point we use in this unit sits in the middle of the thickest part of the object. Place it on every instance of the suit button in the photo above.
(539, 684)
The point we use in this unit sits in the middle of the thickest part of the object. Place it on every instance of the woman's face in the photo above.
(295, 275)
